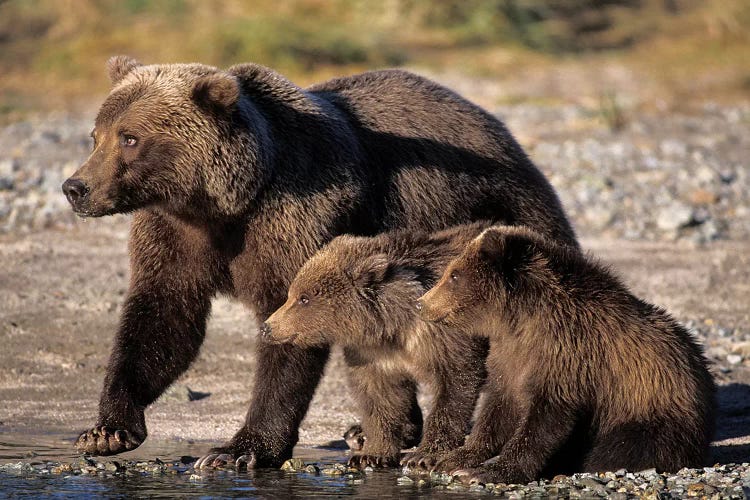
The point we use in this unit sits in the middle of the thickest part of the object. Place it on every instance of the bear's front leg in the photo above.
(161, 330)
(449, 421)
(543, 429)
(387, 401)
(285, 383)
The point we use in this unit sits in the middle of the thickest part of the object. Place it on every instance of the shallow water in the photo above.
(37, 482)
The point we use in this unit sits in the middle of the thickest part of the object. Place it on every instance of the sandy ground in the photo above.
(61, 292)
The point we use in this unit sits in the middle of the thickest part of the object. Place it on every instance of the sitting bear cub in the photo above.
(581, 375)
(359, 293)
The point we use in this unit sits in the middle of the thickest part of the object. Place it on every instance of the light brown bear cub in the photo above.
(359, 293)
(581, 375)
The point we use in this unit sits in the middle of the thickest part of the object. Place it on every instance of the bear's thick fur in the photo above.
(359, 292)
(235, 178)
(581, 375)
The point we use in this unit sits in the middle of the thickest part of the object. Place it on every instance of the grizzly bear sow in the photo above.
(582, 375)
(236, 177)
(359, 293)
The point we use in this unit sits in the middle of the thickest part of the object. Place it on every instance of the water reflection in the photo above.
(39, 483)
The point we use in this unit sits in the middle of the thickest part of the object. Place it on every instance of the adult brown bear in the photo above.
(237, 177)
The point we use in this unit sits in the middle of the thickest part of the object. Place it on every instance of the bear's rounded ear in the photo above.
(510, 246)
(492, 243)
(119, 66)
(218, 91)
(372, 270)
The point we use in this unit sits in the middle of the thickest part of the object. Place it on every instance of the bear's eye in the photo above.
(454, 276)
(129, 141)
(303, 300)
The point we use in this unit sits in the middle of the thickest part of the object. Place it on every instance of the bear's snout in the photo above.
(75, 190)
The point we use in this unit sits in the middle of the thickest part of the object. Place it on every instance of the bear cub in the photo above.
(359, 293)
(581, 374)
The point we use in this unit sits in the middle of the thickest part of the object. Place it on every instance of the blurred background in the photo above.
(641, 52)
(637, 110)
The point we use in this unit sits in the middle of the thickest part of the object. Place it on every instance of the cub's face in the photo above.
(477, 287)
(458, 297)
(327, 302)
(154, 137)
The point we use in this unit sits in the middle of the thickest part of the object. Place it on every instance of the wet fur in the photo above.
(238, 177)
(582, 375)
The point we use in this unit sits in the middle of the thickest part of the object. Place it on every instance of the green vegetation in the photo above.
(52, 51)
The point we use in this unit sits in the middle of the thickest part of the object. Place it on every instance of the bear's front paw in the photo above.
(495, 473)
(222, 457)
(103, 440)
(420, 459)
(460, 458)
(362, 460)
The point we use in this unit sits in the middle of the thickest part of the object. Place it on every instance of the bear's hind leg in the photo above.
(662, 444)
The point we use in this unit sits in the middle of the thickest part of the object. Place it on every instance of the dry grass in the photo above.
(52, 51)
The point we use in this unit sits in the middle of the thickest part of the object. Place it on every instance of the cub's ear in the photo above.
(509, 248)
(217, 91)
(371, 270)
(119, 66)
(492, 244)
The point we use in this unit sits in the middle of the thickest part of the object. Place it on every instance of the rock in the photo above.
(181, 392)
(734, 359)
(293, 465)
(674, 216)
(312, 469)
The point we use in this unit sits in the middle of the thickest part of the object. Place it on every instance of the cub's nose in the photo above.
(74, 190)
(419, 305)
(265, 330)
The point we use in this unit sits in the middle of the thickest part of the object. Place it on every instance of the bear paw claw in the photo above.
(360, 461)
(103, 440)
(419, 460)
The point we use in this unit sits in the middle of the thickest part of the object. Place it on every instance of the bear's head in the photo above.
(178, 136)
(348, 295)
(495, 273)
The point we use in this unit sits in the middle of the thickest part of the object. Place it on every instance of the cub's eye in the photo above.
(129, 141)
(454, 276)
(303, 300)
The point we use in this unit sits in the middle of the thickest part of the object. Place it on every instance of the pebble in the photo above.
(734, 359)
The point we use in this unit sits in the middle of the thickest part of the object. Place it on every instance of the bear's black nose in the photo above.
(419, 305)
(265, 330)
(74, 190)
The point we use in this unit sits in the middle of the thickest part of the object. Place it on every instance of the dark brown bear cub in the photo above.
(582, 375)
(359, 292)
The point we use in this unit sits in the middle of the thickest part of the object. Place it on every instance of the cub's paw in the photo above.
(491, 474)
(420, 460)
(355, 437)
(460, 458)
(362, 460)
(103, 440)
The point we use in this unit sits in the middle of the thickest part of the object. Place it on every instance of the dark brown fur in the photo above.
(359, 293)
(235, 178)
(582, 375)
